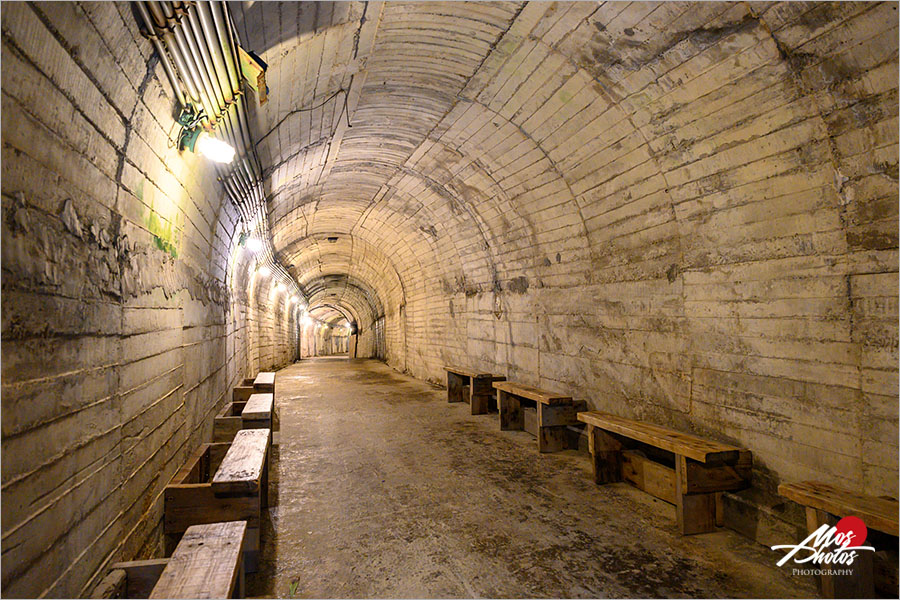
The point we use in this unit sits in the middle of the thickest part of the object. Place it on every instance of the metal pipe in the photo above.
(193, 24)
(190, 41)
(160, 51)
(232, 61)
(216, 52)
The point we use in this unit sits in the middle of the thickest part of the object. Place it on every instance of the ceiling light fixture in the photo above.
(254, 244)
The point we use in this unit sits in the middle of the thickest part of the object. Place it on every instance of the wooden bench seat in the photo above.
(257, 412)
(206, 563)
(474, 387)
(690, 472)
(217, 484)
(265, 382)
(826, 504)
(553, 413)
(876, 513)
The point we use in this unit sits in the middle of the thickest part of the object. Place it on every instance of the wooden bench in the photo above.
(265, 382)
(826, 504)
(474, 387)
(206, 563)
(238, 490)
(689, 472)
(132, 579)
(546, 415)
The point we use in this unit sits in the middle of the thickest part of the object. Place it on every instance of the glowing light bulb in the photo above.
(294, 298)
(253, 244)
(264, 271)
(213, 149)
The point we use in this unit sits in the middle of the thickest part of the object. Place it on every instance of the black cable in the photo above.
(300, 110)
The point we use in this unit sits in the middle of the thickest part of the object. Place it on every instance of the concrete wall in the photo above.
(680, 212)
(122, 330)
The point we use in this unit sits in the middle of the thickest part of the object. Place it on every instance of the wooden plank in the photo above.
(196, 503)
(206, 563)
(532, 393)
(702, 478)
(242, 393)
(510, 408)
(141, 575)
(265, 382)
(877, 513)
(656, 479)
(483, 384)
(258, 407)
(695, 513)
(674, 441)
(455, 384)
(466, 372)
(111, 586)
(242, 469)
(606, 455)
(556, 415)
(551, 439)
(530, 420)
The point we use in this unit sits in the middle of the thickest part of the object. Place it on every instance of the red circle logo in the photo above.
(854, 530)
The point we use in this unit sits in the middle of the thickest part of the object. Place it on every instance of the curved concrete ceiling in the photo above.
(506, 146)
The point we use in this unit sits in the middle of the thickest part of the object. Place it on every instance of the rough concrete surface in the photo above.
(386, 490)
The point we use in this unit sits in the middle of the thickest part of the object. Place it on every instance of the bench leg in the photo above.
(696, 513)
(481, 392)
(551, 439)
(859, 584)
(511, 415)
(606, 456)
(454, 387)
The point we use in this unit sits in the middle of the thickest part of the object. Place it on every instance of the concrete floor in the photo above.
(386, 490)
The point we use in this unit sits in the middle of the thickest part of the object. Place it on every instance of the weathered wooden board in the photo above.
(206, 563)
(877, 513)
(242, 469)
(264, 382)
(656, 479)
(258, 407)
(228, 422)
(141, 575)
(668, 439)
(242, 393)
(532, 393)
(465, 372)
(196, 503)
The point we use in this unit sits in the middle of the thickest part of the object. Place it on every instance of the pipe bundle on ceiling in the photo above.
(201, 40)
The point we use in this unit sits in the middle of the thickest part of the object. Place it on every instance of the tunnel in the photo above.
(680, 214)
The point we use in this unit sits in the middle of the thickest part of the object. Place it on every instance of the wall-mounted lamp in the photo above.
(194, 138)
(253, 244)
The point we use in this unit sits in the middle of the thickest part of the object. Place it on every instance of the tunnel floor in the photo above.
(386, 490)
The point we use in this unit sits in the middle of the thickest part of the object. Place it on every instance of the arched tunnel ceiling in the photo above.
(494, 140)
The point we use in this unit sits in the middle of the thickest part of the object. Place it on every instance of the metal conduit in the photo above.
(202, 41)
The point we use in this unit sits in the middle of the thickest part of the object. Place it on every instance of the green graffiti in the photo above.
(165, 233)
